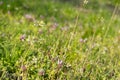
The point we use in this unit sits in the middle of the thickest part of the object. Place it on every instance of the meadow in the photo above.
(59, 40)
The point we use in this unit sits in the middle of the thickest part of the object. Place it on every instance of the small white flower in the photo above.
(85, 1)
(22, 37)
(60, 63)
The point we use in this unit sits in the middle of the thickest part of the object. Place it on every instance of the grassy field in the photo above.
(59, 40)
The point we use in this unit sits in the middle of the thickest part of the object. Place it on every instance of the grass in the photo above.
(57, 40)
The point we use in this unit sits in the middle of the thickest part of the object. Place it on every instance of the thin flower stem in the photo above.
(108, 26)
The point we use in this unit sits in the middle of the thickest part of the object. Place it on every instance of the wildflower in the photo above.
(85, 2)
(40, 31)
(41, 72)
(64, 28)
(23, 68)
(60, 63)
(29, 17)
(83, 40)
(53, 27)
(41, 23)
(34, 60)
(22, 37)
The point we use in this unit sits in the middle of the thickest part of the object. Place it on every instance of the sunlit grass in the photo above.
(56, 41)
